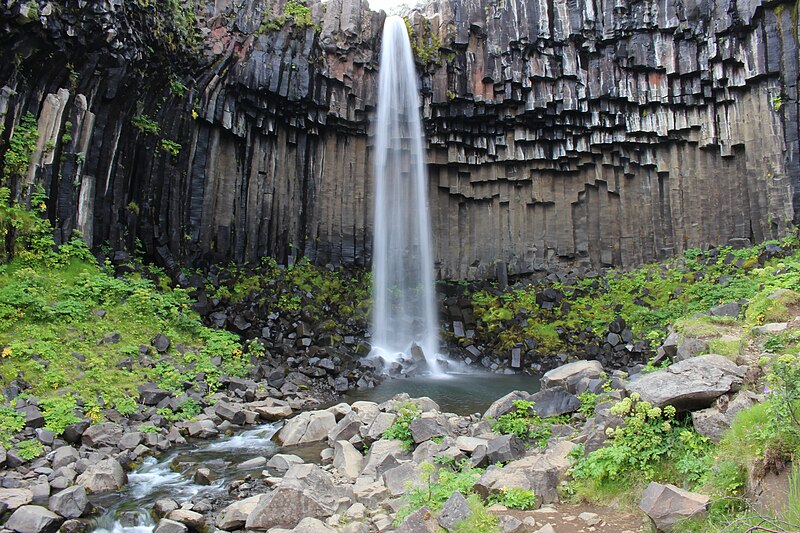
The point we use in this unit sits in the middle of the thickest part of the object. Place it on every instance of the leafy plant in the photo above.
(525, 424)
(400, 430)
(29, 449)
(479, 520)
(438, 486)
(59, 412)
(11, 423)
(171, 147)
(515, 498)
(146, 125)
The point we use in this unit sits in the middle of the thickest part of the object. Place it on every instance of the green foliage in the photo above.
(126, 405)
(186, 411)
(170, 147)
(146, 125)
(480, 519)
(426, 47)
(438, 486)
(295, 12)
(11, 423)
(768, 307)
(588, 403)
(651, 444)
(515, 498)
(177, 87)
(407, 412)
(21, 147)
(59, 412)
(783, 400)
(29, 449)
(526, 424)
(146, 428)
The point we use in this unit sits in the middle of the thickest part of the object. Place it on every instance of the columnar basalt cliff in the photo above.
(599, 132)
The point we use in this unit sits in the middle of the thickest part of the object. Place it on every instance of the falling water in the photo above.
(405, 307)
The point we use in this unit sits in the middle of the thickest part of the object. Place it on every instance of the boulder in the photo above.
(285, 507)
(152, 394)
(169, 526)
(13, 499)
(667, 504)
(715, 421)
(281, 462)
(309, 426)
(252, 464)
(379, 452)
(33, 416)
(688, 348)
(101, 435)
(164, 506)
(235, 515)
(347, 460)
(347, 428)
(554, 402)
(104, 476)
(232, 412)
(401, 478)
(312, 525)
(427, 428)
(454, 510)
(380, 423)
(728, 309)
(34, 519)
(64, 456)
(691, 384)
(70, 503)
(191, 519)
(504, 405)
(203, 429)
(504, 449)
(568, 376)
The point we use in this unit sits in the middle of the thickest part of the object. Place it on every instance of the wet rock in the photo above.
(191, 519)
(203, 476)
(169, 526)
(454, 510)
(104, 476)
(233, 413)
(164, 506)
(34, 519)
(667, 504)
(70, 503)
(691, 384)
(203, 429)
(252, 464)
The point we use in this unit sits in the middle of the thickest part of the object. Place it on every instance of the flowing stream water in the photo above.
(402, 262)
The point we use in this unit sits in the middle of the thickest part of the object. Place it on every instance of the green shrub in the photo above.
(59, 412)
(525, 424)
(515, 498)
(438, 487)
(11, 423)
(400, 430)
(29, 449)
(146, 125)
(480, 520)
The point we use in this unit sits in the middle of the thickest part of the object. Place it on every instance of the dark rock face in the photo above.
(602, 133)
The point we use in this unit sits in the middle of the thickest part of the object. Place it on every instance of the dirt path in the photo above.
(579, 518)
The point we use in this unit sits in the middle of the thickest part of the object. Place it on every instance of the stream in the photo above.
(172, 474)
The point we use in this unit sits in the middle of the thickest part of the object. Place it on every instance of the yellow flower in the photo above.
(42, 207)
(6, 352)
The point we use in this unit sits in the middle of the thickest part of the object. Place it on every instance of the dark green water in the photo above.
(462, 394)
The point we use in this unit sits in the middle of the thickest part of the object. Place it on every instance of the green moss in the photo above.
(729, 347)
(768, 306)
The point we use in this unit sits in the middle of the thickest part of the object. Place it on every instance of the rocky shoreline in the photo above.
(360, 481)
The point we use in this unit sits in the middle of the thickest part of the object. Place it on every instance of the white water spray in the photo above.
(402, 262)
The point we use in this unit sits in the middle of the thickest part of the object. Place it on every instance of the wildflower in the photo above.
(6, 352)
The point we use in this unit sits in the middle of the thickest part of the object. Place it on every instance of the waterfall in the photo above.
(404, 311)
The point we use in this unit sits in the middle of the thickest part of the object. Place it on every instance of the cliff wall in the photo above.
(589, 132)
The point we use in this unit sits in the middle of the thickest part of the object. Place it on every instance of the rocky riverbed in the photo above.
(354, 478)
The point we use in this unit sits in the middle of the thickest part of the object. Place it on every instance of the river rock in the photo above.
(203, 429)
(312, 525)
(100, 435)
(164, 506)
(379, 425)
(235, 515)
(64, 456)
(169, 526)
(252, 464)
(309, 426)
(232, 412)
(554, 402)
(691, 384)
(281, 462)
(667, 504)
(191, 519)
(454, 510)
(381, 451)
(70, 503)
(285, 507)
(400, 478)
(104, 476)
(34, 519)
(347, 428)
(567, 376)
(13, 499)
(420, 521)
(347, 460)
(427, 428)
